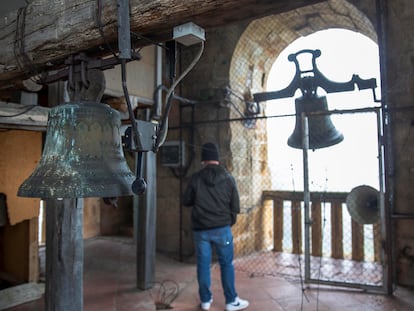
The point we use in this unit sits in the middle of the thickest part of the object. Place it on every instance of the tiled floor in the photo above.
(110, 285)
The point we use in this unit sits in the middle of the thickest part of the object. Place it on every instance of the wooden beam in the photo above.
(42, 35)
(64, 255)
(357, 241)
(17, 295)
(23, 117)
(33, 252)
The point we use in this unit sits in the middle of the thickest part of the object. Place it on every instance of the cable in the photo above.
(20, 113)
(22, 57)
(162, 134)
(148, 40)
(164, 293)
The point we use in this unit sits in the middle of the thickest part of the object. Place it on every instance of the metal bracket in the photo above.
(75, 60)
(309, 83)
(251, 110)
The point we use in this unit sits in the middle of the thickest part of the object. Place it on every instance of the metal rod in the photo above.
(124, 32)
(390, 269)
(368, 288)
(306, 194)
(402, 216)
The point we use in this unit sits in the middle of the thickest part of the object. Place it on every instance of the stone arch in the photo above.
(255, 52)
(264, 39)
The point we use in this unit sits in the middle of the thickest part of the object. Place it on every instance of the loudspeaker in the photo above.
(363, 205)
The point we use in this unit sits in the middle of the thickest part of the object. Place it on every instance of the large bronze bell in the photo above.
(322, 132)
(82, 156)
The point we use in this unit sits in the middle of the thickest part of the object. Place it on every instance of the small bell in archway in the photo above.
(322, 132)
(82, 156)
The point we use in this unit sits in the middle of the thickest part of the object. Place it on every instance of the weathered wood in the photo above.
(44, 33)
(377, 242)
(316, 229)
(17, 295)
(357, 241)
(296, 227)
(33, 253)
(27, 117)
(298, 195)
(64, 255)
(337, 230)
(278, 225)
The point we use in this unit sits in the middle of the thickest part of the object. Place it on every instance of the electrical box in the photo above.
(188, 34)
(172, 153)
(146, 136)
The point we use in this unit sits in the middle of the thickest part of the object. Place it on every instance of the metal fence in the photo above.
(270, 234)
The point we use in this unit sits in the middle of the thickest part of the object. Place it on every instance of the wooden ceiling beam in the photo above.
(40, 36)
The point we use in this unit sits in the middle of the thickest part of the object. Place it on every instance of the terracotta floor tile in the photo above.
(110, 285)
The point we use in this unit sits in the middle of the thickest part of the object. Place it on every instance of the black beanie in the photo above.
(209, 152)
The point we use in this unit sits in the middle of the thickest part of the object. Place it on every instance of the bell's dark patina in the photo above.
(322, 132)
(82, 156)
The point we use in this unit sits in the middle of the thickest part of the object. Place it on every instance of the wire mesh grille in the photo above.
(270, 235)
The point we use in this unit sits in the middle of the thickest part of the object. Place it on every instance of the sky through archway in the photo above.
(350, 163)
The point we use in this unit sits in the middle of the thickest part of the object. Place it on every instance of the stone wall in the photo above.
(398, 80)
(240, 56)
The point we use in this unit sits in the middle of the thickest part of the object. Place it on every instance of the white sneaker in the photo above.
(237, 304)
(206, 305)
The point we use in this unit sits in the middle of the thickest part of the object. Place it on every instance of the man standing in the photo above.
(213, 194)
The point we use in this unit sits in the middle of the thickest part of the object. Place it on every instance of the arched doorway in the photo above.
(258, 48)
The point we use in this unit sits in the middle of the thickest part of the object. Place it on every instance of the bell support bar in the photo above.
(309, 84)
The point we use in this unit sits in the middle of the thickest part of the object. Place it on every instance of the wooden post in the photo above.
(316, 229)
(277, 225)
(296, 227)
(377, 242)
(357, 241)
(337, 227)
(64, 244)
(64, 255)
(33, 250)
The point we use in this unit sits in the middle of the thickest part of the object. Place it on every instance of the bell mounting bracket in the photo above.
(309, 80)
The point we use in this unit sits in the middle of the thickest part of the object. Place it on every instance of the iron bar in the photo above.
(306, 193)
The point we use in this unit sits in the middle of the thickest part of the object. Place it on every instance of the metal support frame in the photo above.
(308, 220)
(309, 80)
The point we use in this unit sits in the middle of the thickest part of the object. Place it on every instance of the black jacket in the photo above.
(213, 194)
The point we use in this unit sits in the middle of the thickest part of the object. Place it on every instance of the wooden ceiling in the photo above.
(40, 37)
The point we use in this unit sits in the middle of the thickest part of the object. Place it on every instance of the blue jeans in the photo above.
(222, 240)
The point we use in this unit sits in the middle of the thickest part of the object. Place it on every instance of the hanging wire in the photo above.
(162, 134)
(138, 36)
(27, 109)
(22, 59)
(164, 293)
